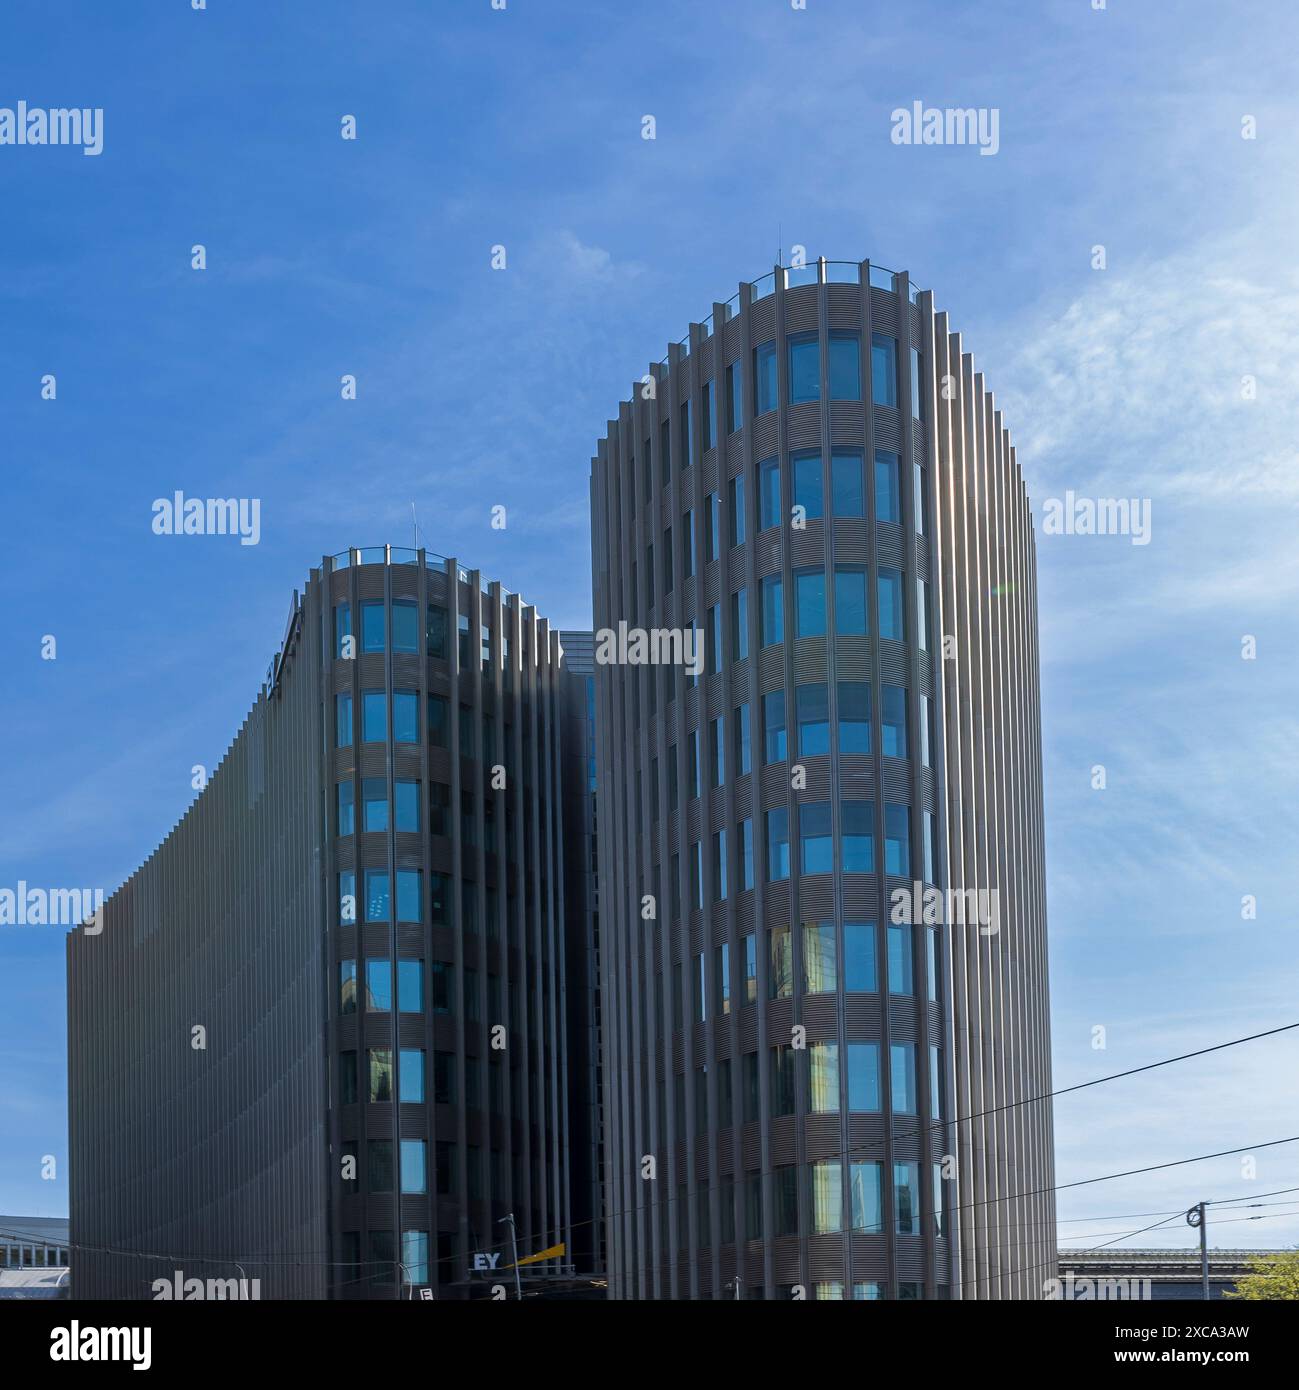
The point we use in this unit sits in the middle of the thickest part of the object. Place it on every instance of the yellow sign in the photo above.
(552, 1253)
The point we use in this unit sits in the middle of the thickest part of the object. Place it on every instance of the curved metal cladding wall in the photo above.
(236, 923)
(995, 840)
(194, 1154)
(787, 1130)
(490, 861)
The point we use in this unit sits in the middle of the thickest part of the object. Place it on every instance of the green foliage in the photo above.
(1270, 1277)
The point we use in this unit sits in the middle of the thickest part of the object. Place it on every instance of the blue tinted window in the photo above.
(378, 899)
(778, 844)
(858, 837)
(343, 720)
(816, 855)
(437, 721)
(374, 716)
(845, 367)
(734, 398)
(409, 905)
(809, 598)
(888, 502)
(374, 803)
(847, 487)
(347, 896)
(773, 610)
(812, 707)
(884, 369)
(897, 841)
(407, 802)
(347, 987)
(345, 821)
(768, 494)
(405, 716)
(850, 602)
(804, 369)
(808, 492)
(859, 957)
(917, 399)
(405, 627)
(746, 855)
(739, 625)
(893, 720)
(709, 422)
(764, 377)
(737, 511)
(863, 1076)
(378, 986)
(854, 717)
(410, 983)
(743, 757)
(435, 632)
(902, 1069)
(342, 630)
(414, 1177)
(920, 499)
(901, 976)
(773, 726)
(372, 633)
(411, 1076)
(892, 621)
(922, 614)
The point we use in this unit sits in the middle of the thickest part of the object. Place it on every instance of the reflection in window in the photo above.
(884, 369)
(374, 716)
(901, 978)
(902, 1074)
(867, 1210)
(824, 1078)
(808, 492)
(816, 845)
(809, 603)
(858, 837)
(405, 627)
(406, 797)
(347, 896)
(345, 817)
(897, 840)
(854, 717)
(780, 985)
(845, 367)
(378, 986)
(764, 377)
(342, 630)
(859, 958)
(804, 368)
(773, 610)
(847, 489)
(378, 899)
(414, 1173)
(863, 1077)
(768, 494)
(820, 966)
(888, 499)
(742, 755)
(827, 1197)
(813, 710)
(892, 623)
(906, 1198)
(435, 632)
(410, 986)
(343, 720)
(405, 716)
(347, 987)
(380, 1083)
(893, 721)
(849, 601)
(372, 627)
(374, 803)
(736, 487)
(411, 1076)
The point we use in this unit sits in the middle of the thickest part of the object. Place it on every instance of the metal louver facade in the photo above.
(789, 1074)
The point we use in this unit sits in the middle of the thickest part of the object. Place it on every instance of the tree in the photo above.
(1270, 1277)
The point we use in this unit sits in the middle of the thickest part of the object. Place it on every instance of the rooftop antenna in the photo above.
(780, 250)
(414, 522)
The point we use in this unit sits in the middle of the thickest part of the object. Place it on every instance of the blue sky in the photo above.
(476, 387)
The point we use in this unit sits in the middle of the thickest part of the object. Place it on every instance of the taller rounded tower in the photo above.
(823, 909)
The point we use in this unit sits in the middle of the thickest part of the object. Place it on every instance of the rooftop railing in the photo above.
(405, 555)
(792, 277)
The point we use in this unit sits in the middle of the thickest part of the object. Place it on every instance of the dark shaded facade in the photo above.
(321, 1038)
(816, 486)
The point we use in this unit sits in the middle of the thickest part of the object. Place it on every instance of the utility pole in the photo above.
(1197, 1216)
(514, 1245)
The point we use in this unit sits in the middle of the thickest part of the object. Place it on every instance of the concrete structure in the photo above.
(817, 486)
(320, 1040)
(33, 1242)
